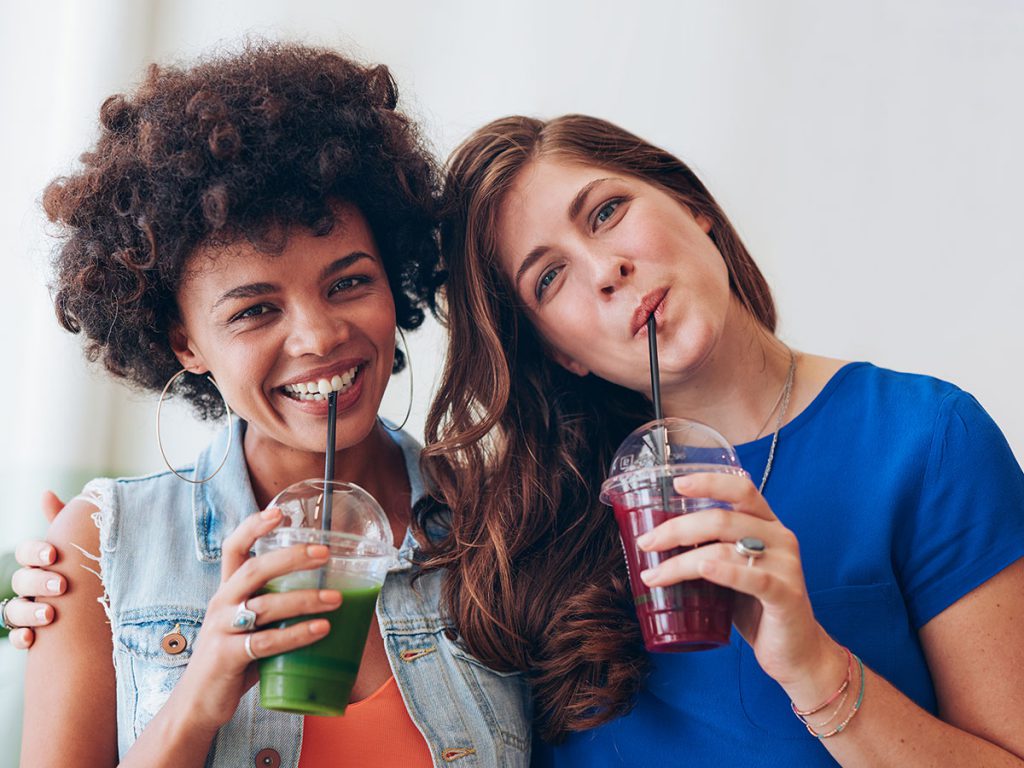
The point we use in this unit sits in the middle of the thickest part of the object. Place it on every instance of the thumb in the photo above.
(51, 505)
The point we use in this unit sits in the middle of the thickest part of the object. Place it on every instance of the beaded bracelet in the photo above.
(842, 689)
(856, 706)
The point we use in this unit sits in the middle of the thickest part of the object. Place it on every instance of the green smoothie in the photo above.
(317, 679)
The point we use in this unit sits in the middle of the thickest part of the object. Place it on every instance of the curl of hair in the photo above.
(517, 446)
(239, 146)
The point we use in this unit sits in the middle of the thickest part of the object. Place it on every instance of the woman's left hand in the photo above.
(772, 611)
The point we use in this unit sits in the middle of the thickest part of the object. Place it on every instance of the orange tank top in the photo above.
(375, 731)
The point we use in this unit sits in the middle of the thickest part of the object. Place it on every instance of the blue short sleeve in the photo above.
(969, 523)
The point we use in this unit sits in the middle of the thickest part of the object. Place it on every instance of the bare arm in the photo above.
(69, 683)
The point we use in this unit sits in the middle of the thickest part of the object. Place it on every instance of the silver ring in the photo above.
(248, 648)
(245, 619)
(3, 615)
(751, 548)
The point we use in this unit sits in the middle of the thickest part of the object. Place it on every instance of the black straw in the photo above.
(662, 441)
(332, 415)
(652, 346)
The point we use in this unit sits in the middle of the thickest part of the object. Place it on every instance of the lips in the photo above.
(649, 305)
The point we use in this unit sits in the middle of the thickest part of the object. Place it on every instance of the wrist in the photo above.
(821, 678)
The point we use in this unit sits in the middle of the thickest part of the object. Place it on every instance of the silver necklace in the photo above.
(787, 390)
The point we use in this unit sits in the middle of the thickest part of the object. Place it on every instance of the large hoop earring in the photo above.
(159, 441)
(408, 363)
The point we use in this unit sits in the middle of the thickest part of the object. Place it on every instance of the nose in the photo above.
(314, 331)
(613, 272)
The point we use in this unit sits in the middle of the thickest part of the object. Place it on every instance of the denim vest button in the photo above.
(268, 758)
(174, 642)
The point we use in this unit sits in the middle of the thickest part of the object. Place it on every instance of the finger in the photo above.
(52, 505)
(35, 582)
(270, 642)
(235, 548)
(255, 572)
(35, 554)
(27, 613)
(766, 579)
(276, 606)
(737, 490)
(707, 525)
(22, 638)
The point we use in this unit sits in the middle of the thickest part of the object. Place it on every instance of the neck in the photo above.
(736, 388)
(374, 463)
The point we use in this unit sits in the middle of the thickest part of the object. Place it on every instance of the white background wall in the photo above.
(869, 151)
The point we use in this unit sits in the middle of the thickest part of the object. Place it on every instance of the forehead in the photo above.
(293, 244)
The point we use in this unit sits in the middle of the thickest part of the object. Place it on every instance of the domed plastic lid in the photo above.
(353, 511)
(666, 448)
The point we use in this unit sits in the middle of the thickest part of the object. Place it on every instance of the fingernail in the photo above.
(53, 586)
(682, 483)
(644, 541)
(647, 576)
(316, 551)
(330, 596)
(41, 614)
(270, 514)
(46, 555)
(318, 627)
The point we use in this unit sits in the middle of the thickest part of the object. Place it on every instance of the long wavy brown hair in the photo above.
(517, 446)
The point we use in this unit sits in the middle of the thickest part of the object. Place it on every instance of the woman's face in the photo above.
(592, 253)
(277, 330)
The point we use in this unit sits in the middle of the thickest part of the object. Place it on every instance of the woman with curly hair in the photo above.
(264, 221)
(893, 634)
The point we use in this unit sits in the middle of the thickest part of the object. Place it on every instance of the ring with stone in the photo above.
(4, 623)
(751, 548)
(245, 619)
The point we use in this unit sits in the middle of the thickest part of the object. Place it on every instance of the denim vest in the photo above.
(160, 541)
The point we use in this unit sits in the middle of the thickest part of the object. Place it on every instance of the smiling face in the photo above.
(279, 331)
(592, 253)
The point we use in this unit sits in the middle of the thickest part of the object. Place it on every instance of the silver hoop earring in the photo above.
(159, 441)
(408, 363)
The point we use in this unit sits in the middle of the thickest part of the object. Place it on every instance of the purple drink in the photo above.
(692, 615)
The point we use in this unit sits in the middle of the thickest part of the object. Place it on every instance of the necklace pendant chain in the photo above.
(787, 390)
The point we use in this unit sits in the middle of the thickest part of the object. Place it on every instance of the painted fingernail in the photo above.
(46, 555)
(330, 596)
(644, 541)
(41, 614)
(316, 551)
(319, 627)
(53, 586)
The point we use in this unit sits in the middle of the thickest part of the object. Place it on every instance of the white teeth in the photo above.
(319, 389)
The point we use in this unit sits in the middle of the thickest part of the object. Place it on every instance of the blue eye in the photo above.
(605, 212)
(545, 280)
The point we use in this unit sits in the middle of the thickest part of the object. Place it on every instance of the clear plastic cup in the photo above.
(317, 679)
(693, 615)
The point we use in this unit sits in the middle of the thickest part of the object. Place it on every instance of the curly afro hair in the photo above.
(238, 147)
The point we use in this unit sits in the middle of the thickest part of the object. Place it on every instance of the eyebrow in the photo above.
(254, 290)
(574, 210)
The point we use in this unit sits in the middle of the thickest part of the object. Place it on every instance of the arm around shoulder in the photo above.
(70, 693)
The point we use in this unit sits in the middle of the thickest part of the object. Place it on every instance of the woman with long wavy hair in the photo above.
(888, 507)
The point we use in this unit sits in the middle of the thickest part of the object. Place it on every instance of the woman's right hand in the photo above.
(31, 581)
(221, 670)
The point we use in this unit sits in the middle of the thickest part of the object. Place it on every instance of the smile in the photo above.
(320, 388)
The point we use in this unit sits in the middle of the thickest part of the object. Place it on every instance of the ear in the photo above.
(703, 222)
(185, 350)
(569, 364)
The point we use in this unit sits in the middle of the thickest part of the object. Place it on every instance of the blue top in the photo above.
(905, 497)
